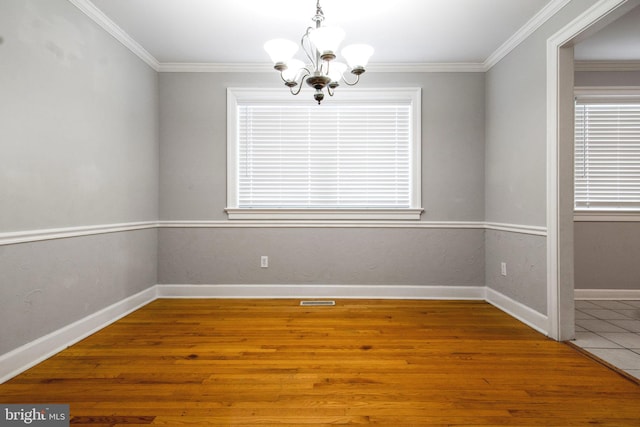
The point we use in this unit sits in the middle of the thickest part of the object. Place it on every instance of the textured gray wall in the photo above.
(193, 141)
(50, 284)
(434, 257)
(516, 125)
(79, 147)
(515, 153)
(525, 256)
(607, 78)
(193, 187)
(79, 122)
(607, 255)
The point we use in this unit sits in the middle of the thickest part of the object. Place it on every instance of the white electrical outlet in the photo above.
(264, 261)
(503, 268)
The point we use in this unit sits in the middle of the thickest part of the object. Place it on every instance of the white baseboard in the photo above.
(607, 294)
(528, 316)
(321, 291)
(28, 355)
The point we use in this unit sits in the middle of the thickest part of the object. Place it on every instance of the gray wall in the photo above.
(50, 284)
(193, 141)
(336, 256)
(79, 147)
(526, 260)
(193, 187)
(607, 78)
(515, 167)
(607, 253)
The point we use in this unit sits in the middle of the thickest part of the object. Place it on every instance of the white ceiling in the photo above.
(401, 31)
(464, 33)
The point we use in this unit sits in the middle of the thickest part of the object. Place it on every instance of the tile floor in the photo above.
(611, 331)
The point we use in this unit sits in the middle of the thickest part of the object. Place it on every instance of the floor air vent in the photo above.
(317, 303)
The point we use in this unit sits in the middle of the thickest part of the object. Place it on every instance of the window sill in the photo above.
(411, 214)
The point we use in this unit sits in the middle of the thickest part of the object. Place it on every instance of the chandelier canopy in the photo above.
(320, 45)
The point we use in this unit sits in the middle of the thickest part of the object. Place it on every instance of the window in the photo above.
(607, 152)
(357, 156)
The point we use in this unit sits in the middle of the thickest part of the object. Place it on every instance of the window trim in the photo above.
(235, 96)
(606, 94)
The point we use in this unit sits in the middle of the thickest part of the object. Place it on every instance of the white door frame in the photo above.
(560, 286)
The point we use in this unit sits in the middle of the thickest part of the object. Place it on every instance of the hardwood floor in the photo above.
(210, 362)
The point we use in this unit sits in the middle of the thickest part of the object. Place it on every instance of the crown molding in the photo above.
(607, 66)
(176, 67)
(525, 31)
(95, 14)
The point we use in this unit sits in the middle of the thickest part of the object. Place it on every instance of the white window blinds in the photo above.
(607, 155)
(332, 156)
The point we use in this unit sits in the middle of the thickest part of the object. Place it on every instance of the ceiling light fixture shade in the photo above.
(294, 67)
(336, 70)
(320, 45)
(326, 40)
(280, 50)
(357, 55)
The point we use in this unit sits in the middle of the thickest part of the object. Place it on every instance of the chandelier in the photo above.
(322, 71)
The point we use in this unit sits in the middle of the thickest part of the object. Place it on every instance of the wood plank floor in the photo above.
(210, 362)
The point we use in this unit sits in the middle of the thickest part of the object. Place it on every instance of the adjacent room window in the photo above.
(356, 156)
(607, 152)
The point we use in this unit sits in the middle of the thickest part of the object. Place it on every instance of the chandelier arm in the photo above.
(295, 92)
(308, 48)
(306, 74)
(349, 83)
(287, 82)
(330, 91)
